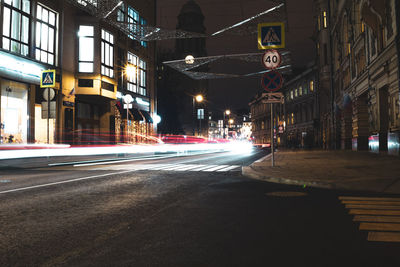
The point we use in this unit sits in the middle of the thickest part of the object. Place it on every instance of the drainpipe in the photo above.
(61, 129)
(333, 122)
(397, 14)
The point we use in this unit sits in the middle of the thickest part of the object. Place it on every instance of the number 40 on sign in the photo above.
(271, 59)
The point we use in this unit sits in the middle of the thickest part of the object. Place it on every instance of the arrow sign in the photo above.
(272, 81)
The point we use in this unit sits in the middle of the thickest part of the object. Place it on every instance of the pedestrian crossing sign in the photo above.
(48, 78)
(271, 35)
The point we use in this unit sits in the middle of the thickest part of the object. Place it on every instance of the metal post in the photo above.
(48, 115)
(272, 137)
(200, 126)
(193, 117)
(127, 123)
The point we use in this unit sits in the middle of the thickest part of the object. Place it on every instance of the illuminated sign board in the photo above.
(19, 68)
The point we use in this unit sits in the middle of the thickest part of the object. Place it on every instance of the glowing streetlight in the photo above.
(130, 71)
(230, 121)
(199, 98)
(189, 59)
(228, 112)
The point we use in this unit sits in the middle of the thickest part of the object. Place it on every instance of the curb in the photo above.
(248, 171)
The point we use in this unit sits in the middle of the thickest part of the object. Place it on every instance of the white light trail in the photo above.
(33, 151)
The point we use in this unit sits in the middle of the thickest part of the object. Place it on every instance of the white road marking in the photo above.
(229, 168)
(62, 182)
(215, 168)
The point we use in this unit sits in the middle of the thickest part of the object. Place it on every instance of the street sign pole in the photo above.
(48, 116)
(272, 137)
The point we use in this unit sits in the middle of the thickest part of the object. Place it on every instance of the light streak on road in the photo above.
(25, 151)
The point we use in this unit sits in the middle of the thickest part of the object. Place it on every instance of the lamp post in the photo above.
(128, 99)
(228, 113)
(198, 98)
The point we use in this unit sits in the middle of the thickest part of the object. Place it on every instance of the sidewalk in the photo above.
(359, 171)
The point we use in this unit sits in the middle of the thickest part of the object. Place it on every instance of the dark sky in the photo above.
(236, 93)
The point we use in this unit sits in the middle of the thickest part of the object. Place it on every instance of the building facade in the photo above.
(295, 122)
(359, 41)
(96, 63)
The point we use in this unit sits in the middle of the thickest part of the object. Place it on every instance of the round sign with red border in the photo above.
(272, 81)
(272, 59)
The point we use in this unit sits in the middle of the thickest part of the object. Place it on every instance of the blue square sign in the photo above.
(48, 78)
(271, 35)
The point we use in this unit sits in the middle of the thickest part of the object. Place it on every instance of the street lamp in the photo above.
(127, 99)
(198, 98)
(130, 71)
(227, 113)
(189, 59)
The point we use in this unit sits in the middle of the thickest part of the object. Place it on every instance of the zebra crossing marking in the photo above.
(174, 167)
(379, 216)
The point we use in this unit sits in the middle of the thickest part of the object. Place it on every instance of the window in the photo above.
(87, 2)
(295, 92)
(319, 22)
(121, 13)
(16, 21)
(86, 48)
(300, 91)
(325, 18)
(143, 22)
(133, 21)
(133, 73)
(311, 86)
(142, 75)
(292, 118)
(107, 53)
(291, 94)
(45, 50)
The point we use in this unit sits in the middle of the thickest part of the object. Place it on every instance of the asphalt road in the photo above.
(175, 211)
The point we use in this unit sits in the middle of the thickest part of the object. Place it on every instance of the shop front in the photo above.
(19, 78)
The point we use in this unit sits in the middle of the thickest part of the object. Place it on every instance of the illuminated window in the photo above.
(87, 2)
(121, 13)
(143, 22)
(132, 77)
(325, 19)
(300, 90)
(348, 48)
(16, 21)
(312, 86)
(295, 92)
(133, 21)
(142, 77)
(45, 49)
(319, 23)
(291, 94)
(362, 27)
(86, 48)
(292, 118)
(107, 53)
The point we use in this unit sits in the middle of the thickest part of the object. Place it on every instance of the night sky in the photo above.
(236, 93)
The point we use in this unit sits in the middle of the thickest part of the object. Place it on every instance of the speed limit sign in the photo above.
(271, 59)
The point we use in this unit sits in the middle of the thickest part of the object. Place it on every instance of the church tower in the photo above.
(191, 19)
(194, 114)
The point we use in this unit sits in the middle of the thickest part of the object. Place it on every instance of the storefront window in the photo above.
(16, 21)
(14, 112)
